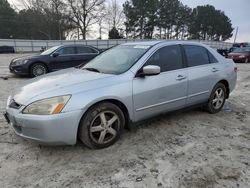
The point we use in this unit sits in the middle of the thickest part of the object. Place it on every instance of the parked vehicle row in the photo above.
(239, 53)
(124, 85)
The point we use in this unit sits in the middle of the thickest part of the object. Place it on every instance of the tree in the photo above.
(210, 24)
(114, 34)
(7, 20)
(114, 14)
(140, 17)
(85, 13)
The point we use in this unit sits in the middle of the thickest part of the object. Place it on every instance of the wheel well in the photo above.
(120, 105)
(225, 83)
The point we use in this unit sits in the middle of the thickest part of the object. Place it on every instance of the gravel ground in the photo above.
(184, 149)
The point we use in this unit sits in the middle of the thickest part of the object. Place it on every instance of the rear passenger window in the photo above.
(168, 58)
(212, 59)
(85, 50)
(196, 55)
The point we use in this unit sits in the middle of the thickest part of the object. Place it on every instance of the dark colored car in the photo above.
(240, 55)
(223, 52)
(53, 59)
(6, 49)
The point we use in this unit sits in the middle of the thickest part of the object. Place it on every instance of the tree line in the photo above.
(81, 19)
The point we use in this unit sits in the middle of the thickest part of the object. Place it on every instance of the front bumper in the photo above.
(19, 70)
(239, 59)
(58, 129)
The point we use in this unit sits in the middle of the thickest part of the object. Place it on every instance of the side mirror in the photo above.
(55, 54)
(149, 70)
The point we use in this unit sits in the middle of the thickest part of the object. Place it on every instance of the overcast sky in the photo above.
(237, 10)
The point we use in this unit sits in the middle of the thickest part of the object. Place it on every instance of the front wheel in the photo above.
(38, 69)
(217, 98)
(101, 126)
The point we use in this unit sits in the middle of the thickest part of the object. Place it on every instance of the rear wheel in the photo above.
(38, 69)
(101, 126)
(217, 98)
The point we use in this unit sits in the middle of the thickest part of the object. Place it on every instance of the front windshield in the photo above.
(50, 50)
(117, 60)
(241, 50)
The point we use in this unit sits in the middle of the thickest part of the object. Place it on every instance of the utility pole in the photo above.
(236, 34)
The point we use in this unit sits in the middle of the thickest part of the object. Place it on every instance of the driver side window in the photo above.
(168, 58)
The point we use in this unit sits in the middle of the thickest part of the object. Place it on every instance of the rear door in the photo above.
(203, 73)
(164, 92)
(85, 54)
(65, 59)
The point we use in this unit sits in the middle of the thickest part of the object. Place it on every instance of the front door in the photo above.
(65, 58)
(164, 92)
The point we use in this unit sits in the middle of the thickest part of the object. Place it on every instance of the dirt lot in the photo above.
(185, 149)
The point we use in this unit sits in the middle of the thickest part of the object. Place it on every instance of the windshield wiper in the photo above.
(92, 69)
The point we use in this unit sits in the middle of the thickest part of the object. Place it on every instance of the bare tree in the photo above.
(114, 14)
(85, 13)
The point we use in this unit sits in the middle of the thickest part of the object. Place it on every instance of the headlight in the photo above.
(47, 106)
(242, 56)
(20, 62)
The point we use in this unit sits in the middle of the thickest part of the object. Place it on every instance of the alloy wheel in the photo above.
(39, 70)
(104, 128)
(218, 98)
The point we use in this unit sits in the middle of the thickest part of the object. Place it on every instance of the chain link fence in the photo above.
(36, 45)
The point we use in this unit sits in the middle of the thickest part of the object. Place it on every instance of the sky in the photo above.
(237, 10)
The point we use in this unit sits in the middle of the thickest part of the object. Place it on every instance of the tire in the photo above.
(38, 69)
(101, 126)
(217, 98)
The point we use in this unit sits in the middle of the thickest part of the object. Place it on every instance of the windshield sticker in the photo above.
(141, 47)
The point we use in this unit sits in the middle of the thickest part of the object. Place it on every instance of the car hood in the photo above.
(34, 56)
(238, 53)
(62, 82)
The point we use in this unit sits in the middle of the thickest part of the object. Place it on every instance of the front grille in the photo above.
(14, 105)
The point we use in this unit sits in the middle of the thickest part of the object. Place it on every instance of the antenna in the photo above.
(236, 34)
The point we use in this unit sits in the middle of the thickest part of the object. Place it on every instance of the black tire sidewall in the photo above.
(85, 123)
(32, 67)
(210, 106)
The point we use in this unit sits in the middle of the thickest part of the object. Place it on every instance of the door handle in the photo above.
(215, 69)
(180, 77)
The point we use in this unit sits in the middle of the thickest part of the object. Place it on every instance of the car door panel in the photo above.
(85, 54)
(83, 58)
(154, 95)
(202, 74)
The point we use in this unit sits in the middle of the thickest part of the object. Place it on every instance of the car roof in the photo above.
(69, 45)
(170, 42)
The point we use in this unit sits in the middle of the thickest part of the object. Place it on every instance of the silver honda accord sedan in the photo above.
(123, 85)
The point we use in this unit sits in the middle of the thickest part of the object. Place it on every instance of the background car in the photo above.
(6, 49)
(53, 59)
(240, 55)
(223, 52)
